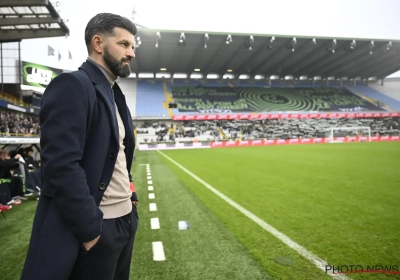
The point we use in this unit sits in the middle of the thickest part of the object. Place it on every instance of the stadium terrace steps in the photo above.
(272, 129)
(150, 99)
(393, 105)
(391, 89)
(153, 98)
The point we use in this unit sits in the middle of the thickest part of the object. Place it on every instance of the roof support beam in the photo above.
(305, 69)
(347, 60)
(263, 63)
(298, 63)
(340, 57)
(379, 67)
(15, 35)
(365, 63)
(212, 58)
(222, 69)
(22, 3)
(191, 66)
(28, 21)
(390, 71)
(282, 62)
(254, 55)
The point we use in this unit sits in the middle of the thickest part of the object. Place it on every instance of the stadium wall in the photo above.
(230, 144)
(390, 88)
(129, 88)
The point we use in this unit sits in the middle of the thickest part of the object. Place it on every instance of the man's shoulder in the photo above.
(77, 75)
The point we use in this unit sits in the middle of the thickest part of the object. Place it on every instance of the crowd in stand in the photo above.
(268, 129)
(19, 177)
(18, 124)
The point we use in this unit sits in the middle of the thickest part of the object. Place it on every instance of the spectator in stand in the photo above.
(30, 162)
(18, 124)
(7, 180)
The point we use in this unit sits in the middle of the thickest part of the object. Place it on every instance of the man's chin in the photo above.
(126, 72)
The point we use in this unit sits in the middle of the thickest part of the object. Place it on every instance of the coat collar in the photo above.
(111, 96)
(94, 73)
(104, 91)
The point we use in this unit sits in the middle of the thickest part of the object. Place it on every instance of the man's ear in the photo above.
(97, 44)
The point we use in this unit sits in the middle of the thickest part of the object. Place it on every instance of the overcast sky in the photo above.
(377, 19)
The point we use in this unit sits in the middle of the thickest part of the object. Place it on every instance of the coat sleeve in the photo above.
(63, 117)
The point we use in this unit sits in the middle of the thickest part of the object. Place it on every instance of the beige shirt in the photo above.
(116, 201)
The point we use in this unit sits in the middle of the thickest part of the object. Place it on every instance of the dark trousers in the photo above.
(16, 186)
(110, 258)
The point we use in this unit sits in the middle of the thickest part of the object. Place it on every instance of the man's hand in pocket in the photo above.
(90, 244)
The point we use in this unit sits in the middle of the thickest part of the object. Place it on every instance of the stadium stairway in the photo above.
(221, 132)
(374, 96)
(151, 99)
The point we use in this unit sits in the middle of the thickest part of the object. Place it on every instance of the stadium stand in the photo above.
(389, 103)
(229, 97)
(13, 100)
(259, 129)
(14, 123)
(391, 88)
(150, 99)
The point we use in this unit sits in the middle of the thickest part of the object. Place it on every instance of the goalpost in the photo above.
(343, 132)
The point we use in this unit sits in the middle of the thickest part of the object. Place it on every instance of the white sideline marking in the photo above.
(151, 188)
(150, 182)
(158, 251)
(155, 223)
(152, 196)
(148, 177)
(153, 207)
(148, 173)
(318, 262)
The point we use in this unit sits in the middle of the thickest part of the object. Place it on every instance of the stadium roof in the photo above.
(191, 52)
(28, 19)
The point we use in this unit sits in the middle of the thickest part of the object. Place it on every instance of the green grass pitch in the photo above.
(339, 201)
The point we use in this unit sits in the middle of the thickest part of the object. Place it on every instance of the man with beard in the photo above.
(86, 219)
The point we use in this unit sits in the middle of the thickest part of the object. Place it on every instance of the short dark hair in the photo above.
(105, 23)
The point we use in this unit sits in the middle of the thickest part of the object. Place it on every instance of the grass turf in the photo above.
(338, 201)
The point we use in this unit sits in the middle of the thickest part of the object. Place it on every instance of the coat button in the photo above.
(112, 155)
(102, 186)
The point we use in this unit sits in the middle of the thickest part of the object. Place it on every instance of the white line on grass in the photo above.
(155, 223)
(152, 196)
(158, 251)
(148, 177)
(151, 188)
(153, 207)
(148, 173)
(150, 182)
(320, 263)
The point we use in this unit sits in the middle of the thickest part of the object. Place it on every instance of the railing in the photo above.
(7, 134)
(12, 99)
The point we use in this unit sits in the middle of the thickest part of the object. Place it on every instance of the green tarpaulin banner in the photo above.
(37, 75)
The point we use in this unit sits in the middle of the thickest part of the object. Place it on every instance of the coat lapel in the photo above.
(121, 103)
(105, 92)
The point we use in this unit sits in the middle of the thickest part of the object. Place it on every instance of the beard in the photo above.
(118, 68)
